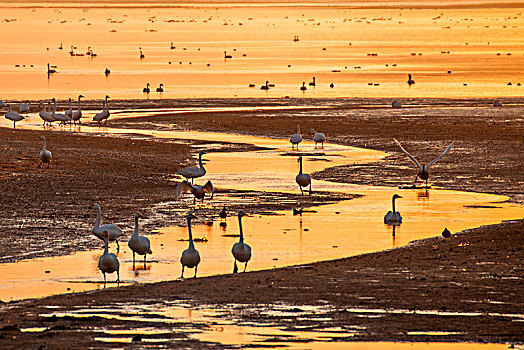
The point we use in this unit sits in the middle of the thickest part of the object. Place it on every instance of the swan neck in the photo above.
(54, 107)
(70, 108)
(393, 201)
(300, 172)
(240, 227)
(298, 128)
(135, 234)
(44, 143)
(106, 244)
(98, 217)
(200, 161)
(79, 103)
(191, 244)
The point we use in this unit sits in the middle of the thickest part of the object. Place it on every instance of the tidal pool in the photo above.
(331, 231)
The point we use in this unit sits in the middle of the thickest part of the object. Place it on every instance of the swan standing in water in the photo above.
(193, 172)
(303, 87)
(69, 112)
(423, 170)
(45, 155)
(393, 217)
(241, 251)
(303, 180)
(14, 116)
(47, 117)
(139, 244)
(113, 230)
(295, 139)
(108, 262)
(318, 137)
(265, 87)
(99, 117)
(197, 191)
(160, 88)
(190, 257)
(78, 113)
(146, 89)
(62, 118)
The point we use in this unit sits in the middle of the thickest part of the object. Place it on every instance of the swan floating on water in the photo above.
(318, 137)
(139, 244)
(303, 87)
(190, 257)
(303, 180)
(108, 262)
(113, 230)
(295, 139)
(410, 80)
(198, 191)
(194, 172)
(45, 155)
(423, 170)
(146, 89)
(241, 251)
(313, 83)
(160, 88)
(393, 217)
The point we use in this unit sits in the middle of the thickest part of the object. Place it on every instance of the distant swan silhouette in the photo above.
(410, 80)
(113, 230)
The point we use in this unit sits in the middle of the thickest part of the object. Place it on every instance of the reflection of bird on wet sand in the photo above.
(423, 170)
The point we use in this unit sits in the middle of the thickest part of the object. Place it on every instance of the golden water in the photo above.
(338, 37)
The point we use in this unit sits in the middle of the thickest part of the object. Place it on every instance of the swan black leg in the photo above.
(196, 267)
(310, 188)
(235, 267)
(182, 276)
(245, 266)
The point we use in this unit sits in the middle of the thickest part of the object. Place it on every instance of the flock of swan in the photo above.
(49, 115)
(108, 262)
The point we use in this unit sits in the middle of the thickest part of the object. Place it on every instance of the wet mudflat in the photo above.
(492, 255)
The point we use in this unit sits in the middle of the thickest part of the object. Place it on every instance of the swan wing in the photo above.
(442, 155)
(409, 155)
(182, 187)
(208, 187)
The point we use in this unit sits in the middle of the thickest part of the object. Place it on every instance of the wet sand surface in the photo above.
(478, 272)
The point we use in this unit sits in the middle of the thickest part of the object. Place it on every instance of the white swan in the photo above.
(423, 170)
(47, 117)
(24, 107)
(265, 86)
(14, 116)
(318, 137)
(295, 139)
(108, 262)
(62, 118)
(190, 257)
(241, 251)
(113, 230)
(146, 89)
(139, 244)
(78, 113)
(69, 112)
(45, 155)
(303, 180)
(197, 191)
(193, 172)
(393, 217)
(99, 117)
